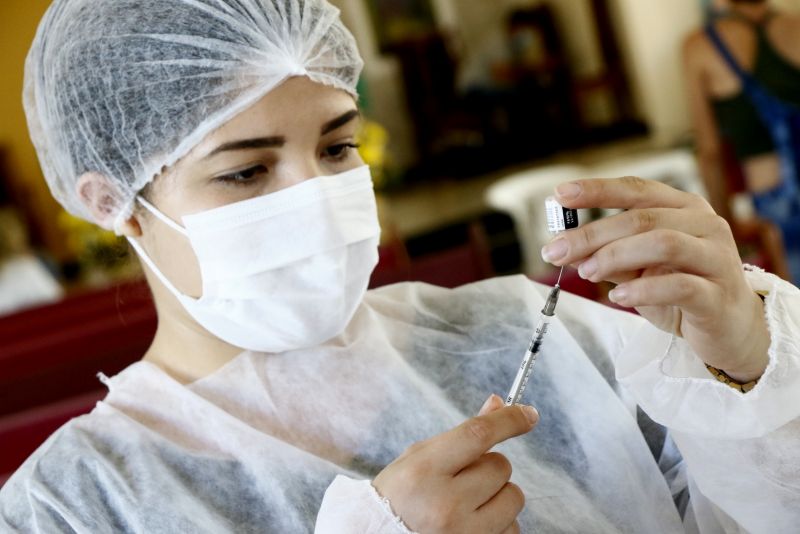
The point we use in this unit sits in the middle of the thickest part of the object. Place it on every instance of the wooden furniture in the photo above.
(50, 357)
(55, 352)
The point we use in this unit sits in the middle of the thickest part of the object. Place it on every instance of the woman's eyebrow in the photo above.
(246, 144)
(277, 142)
(339, 121)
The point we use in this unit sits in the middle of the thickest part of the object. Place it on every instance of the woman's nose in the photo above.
(301, 170)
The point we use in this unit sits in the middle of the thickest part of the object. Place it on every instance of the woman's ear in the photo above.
(102, 201)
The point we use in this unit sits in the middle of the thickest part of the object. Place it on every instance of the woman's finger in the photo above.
(625, 193)
(618, 278)
(691, 293)
(455, 449)
(573, 245)
(484, 478)
(502, 510)
(660, 248)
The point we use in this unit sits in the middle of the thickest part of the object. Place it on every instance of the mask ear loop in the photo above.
(163, 218)
(121, 217)
(149, 262)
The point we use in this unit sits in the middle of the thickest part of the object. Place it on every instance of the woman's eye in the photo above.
(242, 177)
(340, 151)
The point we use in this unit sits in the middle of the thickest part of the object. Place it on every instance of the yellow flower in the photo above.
(84, 239)
(374, 140)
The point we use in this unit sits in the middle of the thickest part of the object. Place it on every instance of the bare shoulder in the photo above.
(787, 25)
(792, 18)
(729, 29)
(694, 40)
(738, 36)
(696, 49)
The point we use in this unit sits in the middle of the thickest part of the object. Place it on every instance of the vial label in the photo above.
(559, 218)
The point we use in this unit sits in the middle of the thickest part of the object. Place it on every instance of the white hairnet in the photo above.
(124, 88)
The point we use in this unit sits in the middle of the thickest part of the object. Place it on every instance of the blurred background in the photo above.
(475, 110)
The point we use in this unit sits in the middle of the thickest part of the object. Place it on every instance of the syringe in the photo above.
(559, 219)
(535, 346)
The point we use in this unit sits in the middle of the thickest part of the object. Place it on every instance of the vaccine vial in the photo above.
(559, 218)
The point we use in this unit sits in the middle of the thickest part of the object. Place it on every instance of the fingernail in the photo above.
(588, 268)
(531, 414)
(555, 251)
(486, 404)
(490, 403)
(568, 191)
(618, 295)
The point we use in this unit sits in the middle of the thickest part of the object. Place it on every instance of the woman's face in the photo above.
(298, 131)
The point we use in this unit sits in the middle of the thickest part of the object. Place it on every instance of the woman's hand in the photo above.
(675, 261)
(450, 483)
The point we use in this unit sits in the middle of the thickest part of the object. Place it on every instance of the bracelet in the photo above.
(723, 377)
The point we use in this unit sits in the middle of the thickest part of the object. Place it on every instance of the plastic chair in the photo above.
(522, 196)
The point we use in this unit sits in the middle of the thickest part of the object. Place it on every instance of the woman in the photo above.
(765, 44)
(278, 396)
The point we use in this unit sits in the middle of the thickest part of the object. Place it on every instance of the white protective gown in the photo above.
(288, 443)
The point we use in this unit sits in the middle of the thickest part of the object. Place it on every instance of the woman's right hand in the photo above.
(450, 483)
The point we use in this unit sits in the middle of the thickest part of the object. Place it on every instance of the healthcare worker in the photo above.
(279, 396)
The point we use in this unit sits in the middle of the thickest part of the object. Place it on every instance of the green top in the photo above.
(737, 118)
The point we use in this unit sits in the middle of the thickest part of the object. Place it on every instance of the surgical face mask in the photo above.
(285, 270)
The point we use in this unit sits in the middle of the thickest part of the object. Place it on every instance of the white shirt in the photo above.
(289, 442)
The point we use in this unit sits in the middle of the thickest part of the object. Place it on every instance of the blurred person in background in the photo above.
(25, 280)
(279, 395)
(764, 44)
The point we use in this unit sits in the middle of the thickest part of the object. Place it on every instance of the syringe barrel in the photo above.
(525, 369)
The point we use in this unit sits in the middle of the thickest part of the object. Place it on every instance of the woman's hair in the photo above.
(124, 88)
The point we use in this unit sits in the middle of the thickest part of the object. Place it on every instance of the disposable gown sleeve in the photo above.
(354, 506)
(742, 451)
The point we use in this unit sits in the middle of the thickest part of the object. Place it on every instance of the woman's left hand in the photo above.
(675, 261)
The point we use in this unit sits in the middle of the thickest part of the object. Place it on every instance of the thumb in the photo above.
(492, 403)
